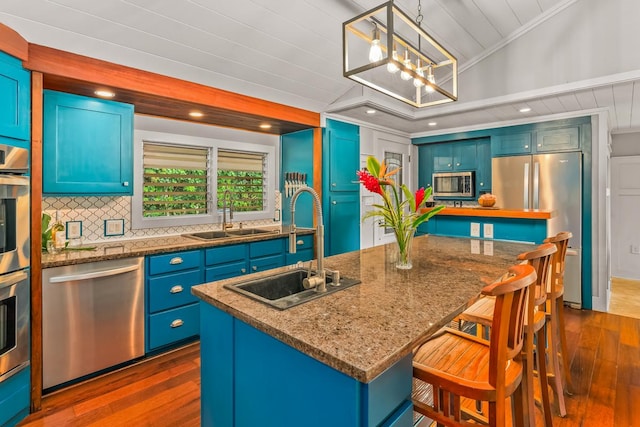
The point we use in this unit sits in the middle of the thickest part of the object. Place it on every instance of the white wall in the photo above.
(625, 144)
(625, 227)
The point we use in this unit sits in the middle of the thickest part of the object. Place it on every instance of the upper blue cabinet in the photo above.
(87, 146)
(15, 115)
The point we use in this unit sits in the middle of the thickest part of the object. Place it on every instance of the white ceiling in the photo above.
(290, 51)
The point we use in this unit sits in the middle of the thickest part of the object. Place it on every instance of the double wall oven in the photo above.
(14, 260)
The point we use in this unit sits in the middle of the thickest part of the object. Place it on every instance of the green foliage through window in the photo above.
(242, 174)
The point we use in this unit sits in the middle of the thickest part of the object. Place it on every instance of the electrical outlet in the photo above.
(475, 229)
(487, 231)
(475, 246)
(635, 249)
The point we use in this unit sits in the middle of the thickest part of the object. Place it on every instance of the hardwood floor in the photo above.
(625, 297)
(165, 391)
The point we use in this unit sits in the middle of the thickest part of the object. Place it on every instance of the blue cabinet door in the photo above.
(554, 140)
(15, 108)
(344, 235)
(511, 144)
(87, 145)
(464, 155)
(483, 171)
(297, 156)
(425, 165)
(343, 160)
(443, 157)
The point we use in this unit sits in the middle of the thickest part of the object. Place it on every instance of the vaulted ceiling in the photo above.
(553, 56)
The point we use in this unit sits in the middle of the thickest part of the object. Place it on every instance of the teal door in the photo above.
(15, 108)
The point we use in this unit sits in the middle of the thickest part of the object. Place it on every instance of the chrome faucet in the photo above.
(224, 210)
(319, 280)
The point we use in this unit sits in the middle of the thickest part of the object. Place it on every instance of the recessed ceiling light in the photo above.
(105, 93)
(265, 126)
(432, 123)
(525, 110)
(372, 111)
(196, 114)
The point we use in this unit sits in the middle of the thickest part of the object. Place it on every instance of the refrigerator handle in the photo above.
(525, 191)
(536, 185)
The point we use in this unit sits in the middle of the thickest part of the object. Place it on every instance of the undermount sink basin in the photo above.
(248, 232)
(285, 290)
(207, 235)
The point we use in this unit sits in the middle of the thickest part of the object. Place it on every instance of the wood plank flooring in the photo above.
(625, 297)
(165, 391)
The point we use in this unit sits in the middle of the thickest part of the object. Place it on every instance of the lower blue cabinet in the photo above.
(15, 398)
(171, 326)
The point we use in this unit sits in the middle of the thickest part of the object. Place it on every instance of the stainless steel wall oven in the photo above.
(14, 260)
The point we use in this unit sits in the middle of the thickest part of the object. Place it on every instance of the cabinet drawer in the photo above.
(179, 261)
(172, 290)
(266, 263)
(302, 242)
(226, 271)
(174, 325)
(225, 254)
(266, 247)
(300, 255)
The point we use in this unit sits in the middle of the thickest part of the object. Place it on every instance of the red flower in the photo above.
(370, 182)
(419, 197)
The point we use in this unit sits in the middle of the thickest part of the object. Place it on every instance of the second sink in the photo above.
(248, 231)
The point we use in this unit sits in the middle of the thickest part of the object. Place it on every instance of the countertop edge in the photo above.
(496, 213)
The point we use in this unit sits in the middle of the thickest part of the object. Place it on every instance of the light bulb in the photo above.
(418, 82)
(431, 79)
(391, 67)
(407, 66)
(375, 52)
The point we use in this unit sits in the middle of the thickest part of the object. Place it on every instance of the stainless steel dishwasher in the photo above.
(92, 317)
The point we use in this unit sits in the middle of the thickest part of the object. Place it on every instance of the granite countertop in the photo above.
(494, 212)
(154, 245)
(364, 329)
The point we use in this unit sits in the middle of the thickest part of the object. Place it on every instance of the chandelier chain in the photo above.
(420, 17)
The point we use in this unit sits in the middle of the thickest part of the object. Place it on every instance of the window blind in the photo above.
(243, 175)
(176, 180)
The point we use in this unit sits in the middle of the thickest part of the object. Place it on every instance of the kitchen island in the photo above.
(343, 359)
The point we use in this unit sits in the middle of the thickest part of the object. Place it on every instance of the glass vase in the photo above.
(404, 239)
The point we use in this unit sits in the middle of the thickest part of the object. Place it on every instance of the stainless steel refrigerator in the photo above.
(548, 182)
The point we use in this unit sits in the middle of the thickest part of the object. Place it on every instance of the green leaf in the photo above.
(410, 197)
(373, 166)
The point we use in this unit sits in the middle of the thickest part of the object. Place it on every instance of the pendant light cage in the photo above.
(386, 50)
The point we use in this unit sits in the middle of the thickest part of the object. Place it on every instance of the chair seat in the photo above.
(459, 361)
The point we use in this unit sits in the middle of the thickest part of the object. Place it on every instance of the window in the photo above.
(175, 180)
(179, 180)
(242, 174)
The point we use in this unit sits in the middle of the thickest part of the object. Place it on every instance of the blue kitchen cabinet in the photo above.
(483, 166)
(297, 156)
(15, 397)
(224, 262)
(454, 156)
(304, 249)
(511, 144)
(87, 146)
(172, 312)
(425, 165)
(341, 189)
(15, 108)
(551, 137)
(250, 378)
(556, 140)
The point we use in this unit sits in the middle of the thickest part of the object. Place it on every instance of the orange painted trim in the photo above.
(496, 213)
(12, 43)
(56, 62)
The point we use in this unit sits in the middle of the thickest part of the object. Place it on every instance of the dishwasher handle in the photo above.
(93, 274)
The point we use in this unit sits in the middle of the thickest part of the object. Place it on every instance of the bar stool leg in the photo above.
(541, 339)
(555, 374)
(566, 369)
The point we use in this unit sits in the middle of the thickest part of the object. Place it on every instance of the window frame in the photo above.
(215, 215)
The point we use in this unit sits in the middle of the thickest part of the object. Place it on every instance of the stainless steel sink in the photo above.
(285, 290)
(248, 232)
(207, 235)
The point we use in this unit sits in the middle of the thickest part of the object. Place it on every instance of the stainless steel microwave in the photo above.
(453, 184)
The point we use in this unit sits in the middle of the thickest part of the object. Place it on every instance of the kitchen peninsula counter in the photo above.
(479, 211)
(154, 245)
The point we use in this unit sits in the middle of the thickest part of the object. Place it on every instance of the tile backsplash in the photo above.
(93, 211)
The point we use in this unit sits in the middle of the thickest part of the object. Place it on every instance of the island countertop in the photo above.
(363, 330)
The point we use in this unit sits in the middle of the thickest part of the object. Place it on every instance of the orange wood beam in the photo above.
(69, 65)
(496, 213)
(36, 245)
(12, 43)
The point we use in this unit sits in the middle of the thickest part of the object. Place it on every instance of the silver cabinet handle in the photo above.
(482, 184)
(125, 184)
(526, 146)
(176, 289)
(255, 268)
(333, 184)
(177, 323)
(457, 164)
(176, 260)
(334, 203)
(300, 242)
(243, 270)
(448, 165)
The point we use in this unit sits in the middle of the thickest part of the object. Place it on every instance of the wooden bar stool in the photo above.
(462, 368)
(481, 314)
(559, 370)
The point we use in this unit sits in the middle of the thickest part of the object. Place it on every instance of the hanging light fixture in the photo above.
(370, 57)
